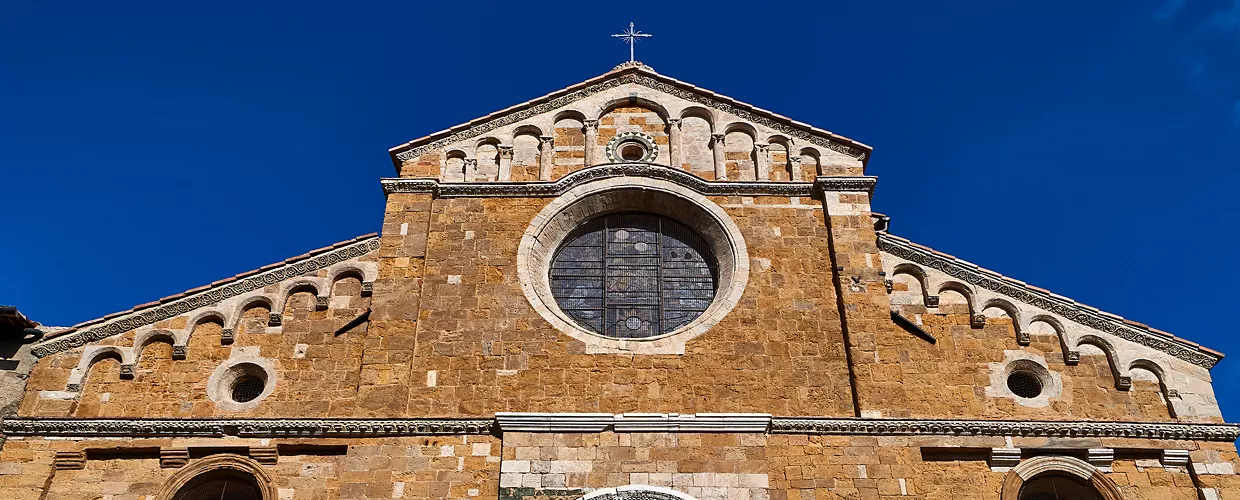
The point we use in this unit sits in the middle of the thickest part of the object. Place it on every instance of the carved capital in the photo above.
(228, 336)
(368, 288)
(762, 147)
(275, 319)
(320, 303)
(794, 160)
(1123, 383)
(173, 458)
(505, 152)
(70, 460)
(978, 321)
(716, 138)
(126, 371)
(179, 351)
(1073, 358)
(591, 125)
(547, 141)
(674, 123)
(1022, 338)
(932, 301)
(889, 285)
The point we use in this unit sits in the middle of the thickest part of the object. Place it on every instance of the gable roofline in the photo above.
(215, 292)
(1074, 311)
(634, 72)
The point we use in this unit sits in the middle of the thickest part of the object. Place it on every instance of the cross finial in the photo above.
(630, 37)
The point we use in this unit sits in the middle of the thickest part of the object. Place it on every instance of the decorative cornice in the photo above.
(649, 170)
(207, 296)
(675, 89)
(599, 422)
(1067, 308)
(633, 422)
(908, 427)
(245, 427)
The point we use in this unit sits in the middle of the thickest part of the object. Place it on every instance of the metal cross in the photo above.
(630, 37)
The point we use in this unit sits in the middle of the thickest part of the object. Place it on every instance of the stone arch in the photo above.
(1013, 312)
(569, 143)
(248, 303)
(313, 286)
(696, 126)
(200, 318)
(1029, 469)
(486, 154)
(1160, 375)
(810, 164)
(781, 164)
(650, 104)
(636, 492)
(1070, 356)
(222, 464)
(699, 112)
(965, 291)
(454, 166)
(526, 156)
(919, 276)
(1122, 382)
(148, 337)
(739, 148)
(94, 354)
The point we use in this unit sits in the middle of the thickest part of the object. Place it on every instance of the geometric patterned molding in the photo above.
(647, 78)
(648, 170)
(1079, 313)
(169, 307)
(261, 428)
(362, 428)
(909, 427)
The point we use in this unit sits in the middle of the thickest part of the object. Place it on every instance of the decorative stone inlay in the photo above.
(173, 458)
(479, 127)
(1078, 313)
(214, 295)
(662, 172)
(257, 428)
(70, 460)
(907, 427)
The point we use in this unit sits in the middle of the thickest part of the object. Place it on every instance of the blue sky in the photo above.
(1089, 148)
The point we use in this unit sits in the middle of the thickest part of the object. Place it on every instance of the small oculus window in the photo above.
(1024, 384)
(631, 147)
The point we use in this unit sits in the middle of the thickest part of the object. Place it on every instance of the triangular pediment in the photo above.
(631, 83)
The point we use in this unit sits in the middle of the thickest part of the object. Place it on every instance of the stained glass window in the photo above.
(220, 487)
(1055, 487)
(633, 275)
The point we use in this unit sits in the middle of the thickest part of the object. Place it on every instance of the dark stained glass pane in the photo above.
(633, 275)
(220, 488)
(1054, 487)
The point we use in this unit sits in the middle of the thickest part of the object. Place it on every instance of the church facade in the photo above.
(630, 288)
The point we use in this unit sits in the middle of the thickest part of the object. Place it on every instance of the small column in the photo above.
(505, 163)
(591, 142)
(546, 157)
(794, 167)
(762, 153)
(716, 146)
(673, 138)
(471, 169)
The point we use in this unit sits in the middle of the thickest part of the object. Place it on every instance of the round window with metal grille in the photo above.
(1024, 384)
(1056, 487)
(247, 388)
(633, 275)
(220, 487)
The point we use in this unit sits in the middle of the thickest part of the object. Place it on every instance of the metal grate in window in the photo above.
(633, 275)
(247, 388)
(223, 488)
(1055, 487)
(1024, 384)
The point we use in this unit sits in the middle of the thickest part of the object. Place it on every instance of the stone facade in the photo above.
(835, 361)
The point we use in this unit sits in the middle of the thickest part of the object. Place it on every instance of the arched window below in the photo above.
(1057, 487)
(220, 485)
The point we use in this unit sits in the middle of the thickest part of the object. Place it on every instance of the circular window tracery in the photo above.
(633, 275)
(631, 147)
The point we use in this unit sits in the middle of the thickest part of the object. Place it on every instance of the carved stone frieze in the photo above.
(479, 127)
(705, 187)
(905, 427)
(245, 427)
(1066, 308)
(212, 296)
